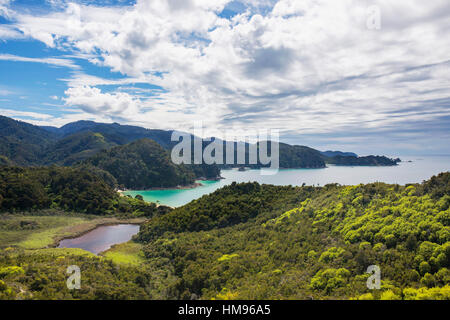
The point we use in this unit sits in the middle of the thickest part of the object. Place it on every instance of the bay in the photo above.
(410, 170)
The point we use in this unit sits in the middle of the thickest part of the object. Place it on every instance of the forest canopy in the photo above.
(251, 241)
(82, 190)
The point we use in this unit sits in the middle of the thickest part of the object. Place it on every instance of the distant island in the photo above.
(362, 161)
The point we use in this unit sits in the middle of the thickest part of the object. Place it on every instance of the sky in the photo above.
(370, 77)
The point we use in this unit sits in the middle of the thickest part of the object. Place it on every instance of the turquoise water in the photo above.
(421, 168)
(179, 197)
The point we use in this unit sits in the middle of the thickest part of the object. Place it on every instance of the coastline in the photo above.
(179, 187)
(190, 186)
(244, 169)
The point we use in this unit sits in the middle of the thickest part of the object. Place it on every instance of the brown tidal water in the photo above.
(102, 238)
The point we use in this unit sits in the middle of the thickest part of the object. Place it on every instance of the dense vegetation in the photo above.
(22, 143)
(69, 189)
(244, 241)
(142, 164)
(41, 274)
(231, 205)
(251, 241)
(75, 148)
(289, 157)
(307, 242)
(114, 133)
(299, 157)
(330, 154)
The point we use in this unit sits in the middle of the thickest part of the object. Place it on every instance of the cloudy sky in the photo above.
(365, 76)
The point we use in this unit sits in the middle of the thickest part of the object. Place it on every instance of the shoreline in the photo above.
(190, 186)
(196, 184)
(179, 187)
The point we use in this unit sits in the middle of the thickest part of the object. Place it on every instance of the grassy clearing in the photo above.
(126, 253)
(33, 232)
(60, 252)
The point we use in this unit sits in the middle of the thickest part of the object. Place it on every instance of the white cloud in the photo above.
(4, 10)
(121, 106)
(79, 79)
(25, 114)
(308, 66)
(92, 100)
(43, 119)
(50, 61)
(8, 32)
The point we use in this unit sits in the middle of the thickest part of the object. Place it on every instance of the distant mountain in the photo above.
(142, 164)
(290, 156)
(23, 143)
(54, 130)
(76, 147)
(363, 161)
(330, 154)
(75, 127)
(27, 145)
(115, 133)
(300, 157)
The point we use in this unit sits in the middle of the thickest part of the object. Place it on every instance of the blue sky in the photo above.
(364, 76)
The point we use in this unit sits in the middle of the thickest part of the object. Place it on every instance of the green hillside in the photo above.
(68, 189)
(300, 157)
(116, 133)
(76, 147)
(247, 241)
(23, 143)
(142, 164)
(251, 241)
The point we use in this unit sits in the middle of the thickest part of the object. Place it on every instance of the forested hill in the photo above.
(299, 157)
(115, 133)
(145, 164)
(244, 241)
(23, 143)
(142, 164)
(291, 156)
(75, 148)
(81, 190)
(27, 145)
(251, 241)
